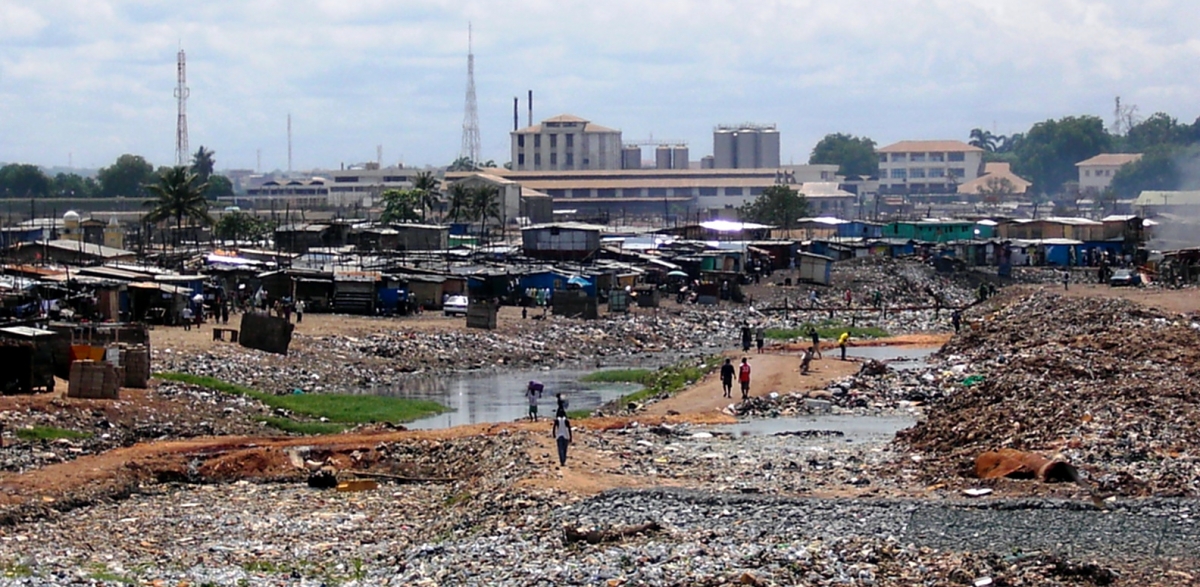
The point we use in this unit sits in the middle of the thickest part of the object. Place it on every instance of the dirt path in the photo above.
(1183, 301)
(770, 372)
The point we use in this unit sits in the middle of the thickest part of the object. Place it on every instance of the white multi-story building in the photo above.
(1095, 174)
(930, 167)
(566, 143)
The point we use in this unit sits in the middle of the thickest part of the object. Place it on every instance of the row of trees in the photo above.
(127, 177)
(1046, 154)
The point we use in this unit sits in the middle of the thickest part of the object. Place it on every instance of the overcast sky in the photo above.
(95, 78)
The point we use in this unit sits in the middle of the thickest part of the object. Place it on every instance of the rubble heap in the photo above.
(901, 282)
(1111, 385)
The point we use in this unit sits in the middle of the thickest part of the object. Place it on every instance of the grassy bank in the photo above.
(826, 330)
(673, 378)
(618, 376)
(49, 433)
(341, 410)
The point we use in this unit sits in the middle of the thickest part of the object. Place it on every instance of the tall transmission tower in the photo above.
(289, 142)
(182, 153)
(470, 131)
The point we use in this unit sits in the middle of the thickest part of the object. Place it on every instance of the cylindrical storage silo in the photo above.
(746, 152)
(679, 157)
(768, 148)
(631, 157)
(723, 149)
(662, 157)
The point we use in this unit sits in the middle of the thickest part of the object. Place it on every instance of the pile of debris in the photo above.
(1105, 384)
(876, 388)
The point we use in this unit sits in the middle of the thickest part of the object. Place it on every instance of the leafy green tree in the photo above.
(72, 185)
(1008, 144)
(400, 206)
(485, 204)
(427, 187)
(22, 180)
(983, 139)
(178, 196)
(778, 205)
(1158, 130)
(1047, 154)
(128, 176)
(219, 186)
(240, 226)
(203, 164)
(853, 155)
(462, 164)
(460, 201)
(1160, 168)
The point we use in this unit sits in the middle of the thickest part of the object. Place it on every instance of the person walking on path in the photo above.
(561, 431)
(563, 403)
(744, 378)
(956, 320)
(842, 340)
(759, 336)
(1066, 277)
(805, 361)
(186, 317)
(816, 341)
(727, 378)
(746, 337)
(533, 393)
(299, 311)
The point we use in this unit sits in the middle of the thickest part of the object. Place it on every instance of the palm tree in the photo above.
(460, 201)
(203, 163)
(427, 186)
(485, 204)
(178, 196)
(983, 139)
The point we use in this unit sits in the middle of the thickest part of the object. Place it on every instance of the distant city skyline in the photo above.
(92, 80)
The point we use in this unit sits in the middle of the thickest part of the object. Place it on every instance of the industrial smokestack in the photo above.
(516, 115)
(530, 107)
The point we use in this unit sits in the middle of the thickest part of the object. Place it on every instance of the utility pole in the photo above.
(181, 95)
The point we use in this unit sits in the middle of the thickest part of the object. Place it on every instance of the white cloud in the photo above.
(96, 78)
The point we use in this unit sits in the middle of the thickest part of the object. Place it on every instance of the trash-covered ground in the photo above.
(906, 282)
(483, 524)
(40, 430)
(1110, 385)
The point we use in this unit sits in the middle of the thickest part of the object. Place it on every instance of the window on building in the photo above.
(537, 141)
(537, 159)
(520, 158)
(658, 192)
(734, 192)
(899, 174)
(917, 157)
(346, 179)
(605, 192)
(917, 172)
(958, 156)
(756, 191)
(553, 141)
(570, 141)
(883, 157)
(937, 172)
(958, 172)
(708, 191)
(521, 141)
(1087, 172)
(897, 157)
(937, 157)
(570, 157)
(553, 157)
(395, 178)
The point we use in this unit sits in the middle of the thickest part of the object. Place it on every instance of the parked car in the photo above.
(455, 305)
(1124, 277)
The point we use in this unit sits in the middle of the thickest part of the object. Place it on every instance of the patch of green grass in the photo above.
(673, 378)
(11, 569)
(101, 573)
(50, 433)
(826, 330)
(579, 414)
(340, 409)
(618, 376)
(298, 427)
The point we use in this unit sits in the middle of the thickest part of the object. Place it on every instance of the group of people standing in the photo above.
(561, 429)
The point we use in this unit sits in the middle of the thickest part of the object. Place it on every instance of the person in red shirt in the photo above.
(744, 378)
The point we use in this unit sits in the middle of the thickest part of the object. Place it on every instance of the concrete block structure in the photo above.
(566, 142)
(928, 167)
(745, 146)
